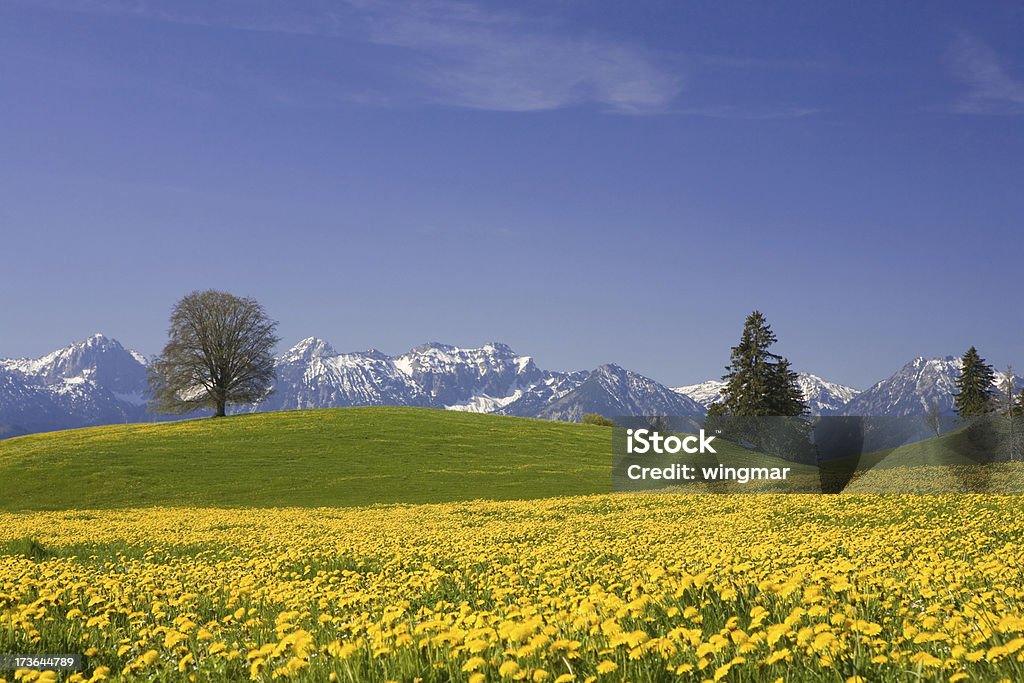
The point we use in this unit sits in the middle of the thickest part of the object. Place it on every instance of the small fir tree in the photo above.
(759, 382)
(974, 386)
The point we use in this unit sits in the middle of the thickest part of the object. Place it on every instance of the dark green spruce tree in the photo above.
(758, 382)
(762, 403)
(787, 397)
(974, 386)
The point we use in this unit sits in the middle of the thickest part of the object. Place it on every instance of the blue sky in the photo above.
(586, 181)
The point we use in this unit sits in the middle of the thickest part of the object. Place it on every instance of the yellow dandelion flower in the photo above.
(474, 663)
(508, 669)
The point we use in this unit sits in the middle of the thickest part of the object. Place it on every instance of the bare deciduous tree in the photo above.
(219, 351)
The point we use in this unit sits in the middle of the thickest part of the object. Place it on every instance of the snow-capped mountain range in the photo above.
(823, 397)
(492, 379)
(99, 381)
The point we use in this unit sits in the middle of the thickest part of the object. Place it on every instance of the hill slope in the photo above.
(312, 458)
(331, 457)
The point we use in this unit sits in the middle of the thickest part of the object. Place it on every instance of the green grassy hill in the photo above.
(953, 448)
(352, 456)
(957, 462)
(335, 457)
(346, 457)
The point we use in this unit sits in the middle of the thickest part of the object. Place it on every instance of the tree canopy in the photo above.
(759, 382)
(974, 385)
(219, 351)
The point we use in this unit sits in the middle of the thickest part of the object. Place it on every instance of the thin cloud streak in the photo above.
(741, 113)
(502, 62)
(991, 89)
(451, 53)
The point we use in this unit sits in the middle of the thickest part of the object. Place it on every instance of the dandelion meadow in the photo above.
(591, 588)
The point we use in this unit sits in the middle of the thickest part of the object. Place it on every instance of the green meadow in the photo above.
(352, 457)
(330, 457)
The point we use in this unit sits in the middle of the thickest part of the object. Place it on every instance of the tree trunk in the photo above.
(220, 409)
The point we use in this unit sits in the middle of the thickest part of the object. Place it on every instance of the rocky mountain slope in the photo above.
(913, 388)
(92, 382)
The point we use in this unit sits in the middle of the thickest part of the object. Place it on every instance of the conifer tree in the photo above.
(786, 396)
(974, 386)
(759, 382)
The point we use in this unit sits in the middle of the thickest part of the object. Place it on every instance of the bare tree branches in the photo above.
(219, 351)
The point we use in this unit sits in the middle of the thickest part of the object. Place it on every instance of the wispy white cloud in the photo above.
(484, 59)
(751, 113)
(449, 52)
(991, 90)
(460, 53)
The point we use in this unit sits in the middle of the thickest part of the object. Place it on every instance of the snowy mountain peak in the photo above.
(307, 349)
(612, 391)
(915, 387)
(609, 370)
(431, 346)
(453, 375)
(942, 362)
(614, 377)
(438, 349)
(705, 393)
(824, 397)
(89, 382)
(97, 359)
(96, 343)
(911, 390)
